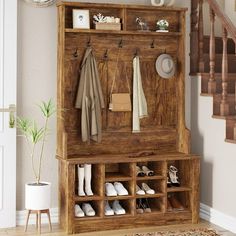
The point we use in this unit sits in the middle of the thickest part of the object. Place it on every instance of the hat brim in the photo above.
(159, 70)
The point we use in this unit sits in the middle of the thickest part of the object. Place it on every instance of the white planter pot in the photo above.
(37, 197)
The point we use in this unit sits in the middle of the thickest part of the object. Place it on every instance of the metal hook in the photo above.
(164, 51)
(152, 44)
(89, 42)
(75, 54)
(106, 55)
(136, 53)
(120, 44)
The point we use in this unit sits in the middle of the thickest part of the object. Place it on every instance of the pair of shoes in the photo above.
(86, 210)
(116, 209)
(142, 206)
(172, 178)
(145, 189)
(144, 171)
(115, 189)
(174, 204)
(84, 175)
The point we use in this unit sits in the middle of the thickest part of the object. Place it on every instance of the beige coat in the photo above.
(90, 99)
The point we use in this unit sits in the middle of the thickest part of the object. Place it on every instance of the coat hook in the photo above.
(136, 53)
(75, 54)
(106, 55)
(152, 44)
(120, 44)
(89, 42)
(165, 51)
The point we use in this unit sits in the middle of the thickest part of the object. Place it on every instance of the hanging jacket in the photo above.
(90, 99)
(139, 100)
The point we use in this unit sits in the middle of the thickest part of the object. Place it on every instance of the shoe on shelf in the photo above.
(110, 190)
(78, 211)
(118, 209)
(139, 191)
(108, 210)
(168, 182)
(139, 172)
(139, 206)
(120, 189)
(88, 210)
(81, 180)
(147, 189)
(176, 204)
(146, 206)
(147, 171)
(87, 175)
(173, 176)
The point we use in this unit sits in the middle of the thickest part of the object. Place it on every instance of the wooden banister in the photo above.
(200, 37)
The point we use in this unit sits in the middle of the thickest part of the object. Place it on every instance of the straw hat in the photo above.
(165, 66)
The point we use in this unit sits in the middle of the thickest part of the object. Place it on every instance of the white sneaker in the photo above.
(78, 211)
(88, 210)
(108, 210)
(118, 209)
(139, 191)
(120, 189)
(147, 189)
(110, 190)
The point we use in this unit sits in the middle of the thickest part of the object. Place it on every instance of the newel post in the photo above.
(224, 106)
(194, 37)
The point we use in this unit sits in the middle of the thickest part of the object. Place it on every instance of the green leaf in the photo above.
(36, 134)
(47, 108)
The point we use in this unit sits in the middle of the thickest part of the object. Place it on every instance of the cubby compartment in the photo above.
(157, 185)
(158, 168)
(97, 207)
(127, 204)
(178, 201)
(96, 183)
(184, 174)
(156, 205)
(118, 172)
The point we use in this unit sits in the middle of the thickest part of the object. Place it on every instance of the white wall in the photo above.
(37, 43)
(231, 10)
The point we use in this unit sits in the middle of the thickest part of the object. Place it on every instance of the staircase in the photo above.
(214, 60)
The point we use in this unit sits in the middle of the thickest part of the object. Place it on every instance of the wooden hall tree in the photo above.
(163, 133)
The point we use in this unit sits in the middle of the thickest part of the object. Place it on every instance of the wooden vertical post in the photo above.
(200, 38)
(212, 81)
(224, 106)
(194, 37)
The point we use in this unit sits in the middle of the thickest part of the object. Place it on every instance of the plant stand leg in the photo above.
(27, 219)
(49, 219)
(39, 222)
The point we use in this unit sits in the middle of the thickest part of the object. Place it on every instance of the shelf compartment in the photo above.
(157, 185)
(118, 172)
(128, 186)
(156, 204)
(127, 204)
(122, 32)
(96, 205)
(183, 198)
(96, 170)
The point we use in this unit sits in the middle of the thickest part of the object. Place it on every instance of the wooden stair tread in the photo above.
(223, 117)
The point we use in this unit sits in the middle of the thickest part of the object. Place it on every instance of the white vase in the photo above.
(37, 197)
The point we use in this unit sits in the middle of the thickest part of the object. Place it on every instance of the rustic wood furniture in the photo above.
(163, 132)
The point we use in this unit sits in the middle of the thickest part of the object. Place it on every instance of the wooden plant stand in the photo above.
(38, 219)
(163, 133)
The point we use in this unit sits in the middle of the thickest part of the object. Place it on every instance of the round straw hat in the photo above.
(165, 66)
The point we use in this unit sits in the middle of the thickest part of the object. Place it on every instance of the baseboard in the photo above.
(21, 217)
(218, 218)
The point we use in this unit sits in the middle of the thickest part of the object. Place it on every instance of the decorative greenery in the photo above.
(163, 24)
(36, 136)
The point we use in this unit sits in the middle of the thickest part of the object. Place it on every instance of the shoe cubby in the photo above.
(150, 205)
(96, 170)
(178, 201)
(184, 169)
(119, 172)
(158, 168)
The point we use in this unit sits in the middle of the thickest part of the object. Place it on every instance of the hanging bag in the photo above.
(120, 102)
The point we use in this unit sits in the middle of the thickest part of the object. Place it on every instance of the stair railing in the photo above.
(197, 44)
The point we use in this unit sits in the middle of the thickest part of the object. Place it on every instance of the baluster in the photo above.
(194, 37)
(200, 38)
(212, 81)
(224, 106)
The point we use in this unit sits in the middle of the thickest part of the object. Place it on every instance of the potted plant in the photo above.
(37, 192)
(162, 26)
